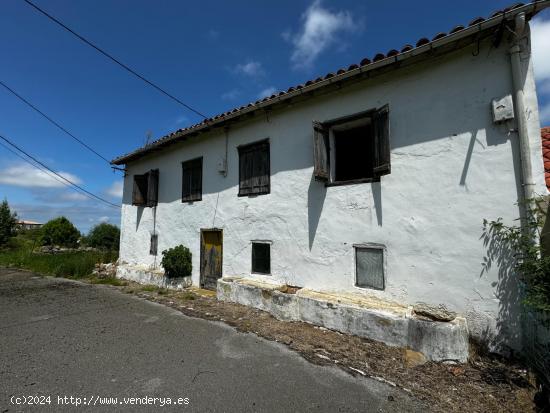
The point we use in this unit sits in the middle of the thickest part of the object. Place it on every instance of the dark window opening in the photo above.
(353, 153)
(192, 180)
(261, 260)
(154, 244)
(352, 149)
(145, 192)
(369, 267)
(254, 169)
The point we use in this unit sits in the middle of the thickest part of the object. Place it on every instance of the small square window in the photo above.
(369, 267)
(261, 258)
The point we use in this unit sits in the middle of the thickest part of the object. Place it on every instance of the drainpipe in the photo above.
(519, 104)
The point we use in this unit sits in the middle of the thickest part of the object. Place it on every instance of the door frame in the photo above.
(201, 249)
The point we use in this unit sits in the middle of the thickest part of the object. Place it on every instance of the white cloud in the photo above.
(231, 94)
(73, 196)
(251, 68)
(320, 30)
(115, 190)
(540, 44)
(27, 176)
(266, 92)
(103, 219)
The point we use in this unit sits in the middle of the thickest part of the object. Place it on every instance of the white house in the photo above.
(370, 181)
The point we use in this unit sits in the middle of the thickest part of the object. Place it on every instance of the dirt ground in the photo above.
(484, 385)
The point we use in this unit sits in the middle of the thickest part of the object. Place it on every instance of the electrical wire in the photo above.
(62, 128)
(68, 182)
(6, 147)
(115, 60)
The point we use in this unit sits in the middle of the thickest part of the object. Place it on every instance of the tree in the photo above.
(59, 231)
(105, 236)
(8, 222)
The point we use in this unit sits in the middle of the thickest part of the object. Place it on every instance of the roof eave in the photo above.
(530, 9)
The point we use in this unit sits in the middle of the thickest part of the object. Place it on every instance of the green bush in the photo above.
(59, 231)
(8, 222)
(177, 262)
(104, 236)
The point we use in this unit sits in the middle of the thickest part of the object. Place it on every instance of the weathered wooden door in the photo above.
(211, 257)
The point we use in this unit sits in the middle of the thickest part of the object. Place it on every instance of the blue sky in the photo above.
(213, 55)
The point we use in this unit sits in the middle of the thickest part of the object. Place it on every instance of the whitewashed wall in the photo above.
(451, 168)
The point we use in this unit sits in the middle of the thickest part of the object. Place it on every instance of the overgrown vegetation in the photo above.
(177, 262)
(531, 259)
(75, 264)
(8, 222)
(60, 231)
(21, 252)
(104, 236)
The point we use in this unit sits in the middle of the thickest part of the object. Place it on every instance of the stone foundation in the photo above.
(146, 275)
(364, 316)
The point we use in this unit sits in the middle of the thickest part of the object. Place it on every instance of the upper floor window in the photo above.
(192, 180)
(254, 168)
(146, 186)
(352, 149)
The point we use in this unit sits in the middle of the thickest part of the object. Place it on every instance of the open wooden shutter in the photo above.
(321, 165)
(139, 193)
(381, 120)
(153, 188)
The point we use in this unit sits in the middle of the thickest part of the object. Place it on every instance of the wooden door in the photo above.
(211, 257)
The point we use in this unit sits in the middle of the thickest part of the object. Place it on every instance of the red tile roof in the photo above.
(545, 135)
(393, 56)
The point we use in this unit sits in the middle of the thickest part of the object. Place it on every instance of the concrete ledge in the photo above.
(364, 316)
(145, 275)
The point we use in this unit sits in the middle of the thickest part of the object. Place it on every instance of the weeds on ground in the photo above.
(73, 264)
(108, 281)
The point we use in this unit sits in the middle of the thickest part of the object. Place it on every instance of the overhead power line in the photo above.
(6, 147)
(13, 92)
(115, 60)
(67, 182)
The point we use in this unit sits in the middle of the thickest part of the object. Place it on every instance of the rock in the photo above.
(104, 270)
(413, 358)
(428, 312)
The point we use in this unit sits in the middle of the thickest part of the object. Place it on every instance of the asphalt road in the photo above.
(61, 338)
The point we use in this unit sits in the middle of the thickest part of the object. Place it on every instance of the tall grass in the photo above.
(76, 264)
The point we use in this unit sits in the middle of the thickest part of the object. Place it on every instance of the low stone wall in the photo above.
(145, 275)
(368, 317)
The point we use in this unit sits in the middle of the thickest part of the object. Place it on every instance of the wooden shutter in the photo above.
(153, 247)
(153, 188)
(139, 193)
(321, 166)
(382, 141)
(192, 180)
(254, 169)
(260, 182)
